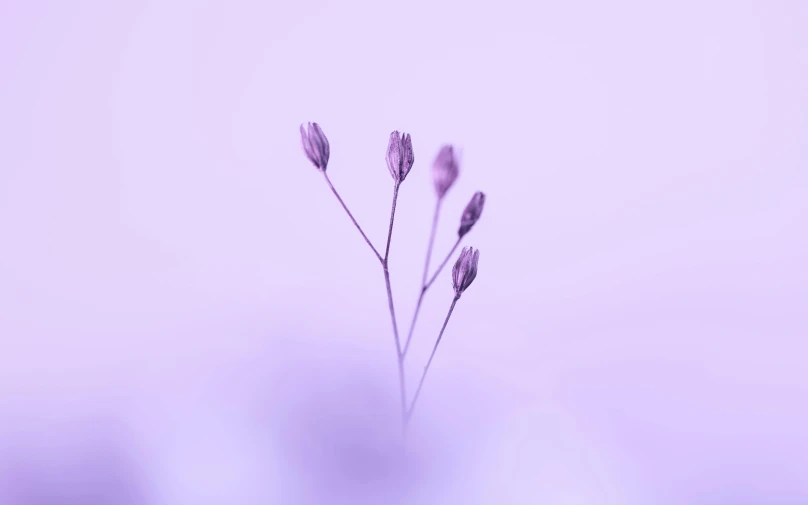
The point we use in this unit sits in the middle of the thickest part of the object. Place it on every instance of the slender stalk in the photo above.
(414, 319)
(425, 285)
(392, 218)
(431, 240)
(443, 264)
(399, 356)
(431, 356)
(379, 256)
(423, 278)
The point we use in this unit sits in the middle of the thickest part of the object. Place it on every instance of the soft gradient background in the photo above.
(187, 316)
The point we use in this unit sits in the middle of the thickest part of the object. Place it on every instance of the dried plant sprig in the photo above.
(399, 156)
(463, 274)
(471, 214)
(445, 170)
(402, 381)
(400, 159)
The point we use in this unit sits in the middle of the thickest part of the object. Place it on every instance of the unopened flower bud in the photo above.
(465, 270)
(444, 170)
(399, 156)
(315, 145)
(472, 213)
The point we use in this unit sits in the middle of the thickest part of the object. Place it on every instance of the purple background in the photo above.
(185, 309)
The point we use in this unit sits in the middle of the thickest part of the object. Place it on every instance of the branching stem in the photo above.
(426, 284)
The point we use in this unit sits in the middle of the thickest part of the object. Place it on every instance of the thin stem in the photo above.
(431, 241)
(426, 285)
(431, 356)
(392, 218)
(423, 279)
(379, 256)
(443, 264)
(414, 319)
(399, 356)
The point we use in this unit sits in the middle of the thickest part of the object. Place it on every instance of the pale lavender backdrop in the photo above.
(184, 308)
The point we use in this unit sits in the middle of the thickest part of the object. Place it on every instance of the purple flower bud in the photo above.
(444, 170)
(472, 213)
(465, 270)
(316, 146)
(399, 156)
